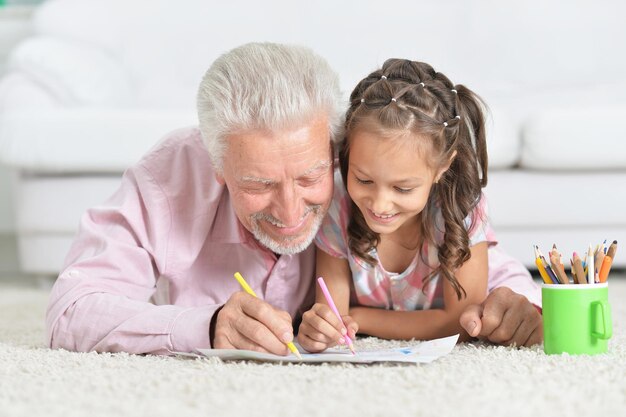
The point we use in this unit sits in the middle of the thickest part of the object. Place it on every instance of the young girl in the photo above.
(405, 249)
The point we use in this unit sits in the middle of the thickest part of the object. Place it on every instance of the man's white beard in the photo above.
(284, 247)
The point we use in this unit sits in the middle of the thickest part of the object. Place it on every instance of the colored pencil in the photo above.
(591, 270)
(540, 267)
(607, 262)
(331, 304)
(249, 290)
(599, 258)
(557, 265)
(548, 268)
(577, 266)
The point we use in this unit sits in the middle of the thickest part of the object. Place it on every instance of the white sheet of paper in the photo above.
(419, 352)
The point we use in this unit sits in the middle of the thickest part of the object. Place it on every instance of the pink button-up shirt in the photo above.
(151, 266)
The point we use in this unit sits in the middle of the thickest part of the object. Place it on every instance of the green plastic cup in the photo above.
(576, 318)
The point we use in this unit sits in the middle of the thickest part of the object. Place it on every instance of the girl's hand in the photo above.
(321, 329)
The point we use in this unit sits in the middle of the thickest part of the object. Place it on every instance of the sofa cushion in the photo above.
(84, 140)
(580, 138)
(503, 139)
(519, 198)
(519, 242)
(570, 209)
(65, 197)
(44, 240)
(73, 72)
(43, 253)
(18, 92)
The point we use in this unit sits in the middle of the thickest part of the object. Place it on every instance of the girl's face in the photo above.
(389, 180)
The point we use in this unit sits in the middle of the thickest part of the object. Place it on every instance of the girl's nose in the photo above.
(381, 203)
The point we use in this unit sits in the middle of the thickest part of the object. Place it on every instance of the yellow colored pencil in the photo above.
(249, 290)
(541, 268)
(244, 284)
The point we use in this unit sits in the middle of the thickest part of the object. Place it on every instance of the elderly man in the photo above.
(151, 271)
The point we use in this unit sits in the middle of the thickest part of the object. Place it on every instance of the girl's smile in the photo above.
(382, 218)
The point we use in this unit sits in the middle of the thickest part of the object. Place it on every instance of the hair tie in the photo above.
(454, 91)
(393, 99)
(362, 100)
(457, 117)
(423, 85)
(382, 77)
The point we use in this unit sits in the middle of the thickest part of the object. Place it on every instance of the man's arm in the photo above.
(101, 300)
(110, 323)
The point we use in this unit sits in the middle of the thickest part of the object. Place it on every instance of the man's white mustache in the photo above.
(273, 220)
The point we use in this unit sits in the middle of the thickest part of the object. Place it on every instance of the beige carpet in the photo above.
(474, 380)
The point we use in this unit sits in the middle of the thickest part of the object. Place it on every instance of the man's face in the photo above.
(281, 183)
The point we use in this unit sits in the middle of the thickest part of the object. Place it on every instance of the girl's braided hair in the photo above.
(411, 97)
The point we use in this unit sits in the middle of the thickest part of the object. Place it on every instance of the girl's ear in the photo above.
(445, 167)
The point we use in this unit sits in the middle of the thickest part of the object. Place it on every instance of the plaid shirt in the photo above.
(376, 287)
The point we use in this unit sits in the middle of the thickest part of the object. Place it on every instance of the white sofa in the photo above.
(101, 81)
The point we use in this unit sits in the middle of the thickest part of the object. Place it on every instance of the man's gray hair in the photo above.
(266, 86)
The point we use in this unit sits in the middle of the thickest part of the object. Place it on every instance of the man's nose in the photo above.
(290, 207)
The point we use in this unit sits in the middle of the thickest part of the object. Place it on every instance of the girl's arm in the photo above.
(435, 323)
(320, 327)
(337, 275)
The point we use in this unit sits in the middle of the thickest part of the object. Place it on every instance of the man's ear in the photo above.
(445, 167)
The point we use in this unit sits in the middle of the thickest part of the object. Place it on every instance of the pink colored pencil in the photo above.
(333, 307)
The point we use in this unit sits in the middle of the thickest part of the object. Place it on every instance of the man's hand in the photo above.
(246, 322)
(321, 329)
(504, 318)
